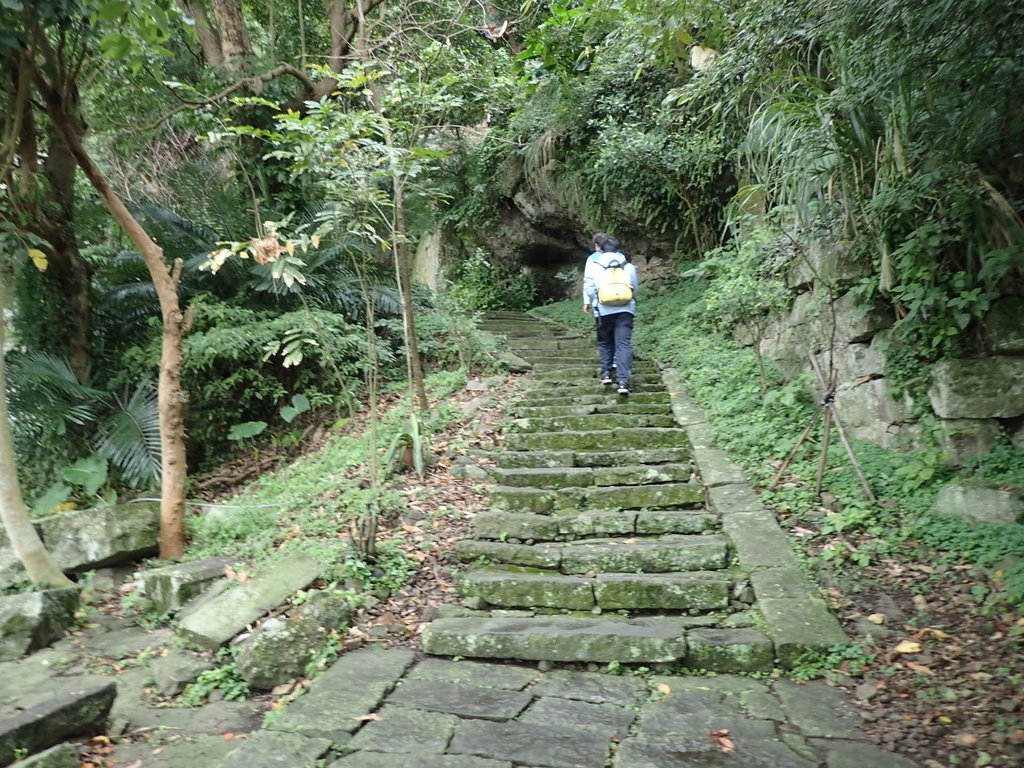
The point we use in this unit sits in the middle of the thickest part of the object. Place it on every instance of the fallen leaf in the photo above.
(920, 603)
(966, 739)
(722, 740)
(877, 618)
(229, 736)
(364, 718)
(908, 646)
(664, 689)
(919, 668)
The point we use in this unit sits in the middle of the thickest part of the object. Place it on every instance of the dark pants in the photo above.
(615, 344)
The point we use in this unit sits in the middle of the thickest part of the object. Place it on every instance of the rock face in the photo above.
(982, 504)
(84, 539)
(33, 620)
(991, 387)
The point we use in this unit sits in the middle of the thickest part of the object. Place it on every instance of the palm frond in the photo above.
(130, 438)
(44, 388)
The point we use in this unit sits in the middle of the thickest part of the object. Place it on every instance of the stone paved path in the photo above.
(618, 533)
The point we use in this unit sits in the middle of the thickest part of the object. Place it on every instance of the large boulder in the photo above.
(981, 503)
(84, 539)
(33, 620)
(983, 388)
(279, 650)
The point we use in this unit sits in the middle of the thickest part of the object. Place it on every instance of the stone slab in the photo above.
(595, 523)
(774, 583)
(85, 539)
(269, 749)
(462, 700)
(33, 620)
(512, 589)
(641, 474)
(214, 622)
(729, 650)
(366, 676)
(758, 540)
(735, 497)
(498, 525)
(659, 555)
(819, 710)
(625, 691)
(654, 496)
(543, 746)
(699, 591)
(480, 673)
(857, 754)
(526, 555)
(170, 587)
(415, 760)
(405, 730)
(798, 625)
(570, 713)
(716, 468)
(661, 521)
(60, 756)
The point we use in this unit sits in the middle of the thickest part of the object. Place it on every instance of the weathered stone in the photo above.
(513, 363)
(989, 387)
(60, 756)
(615, 458)
(415, 760)
(819, 710)
(84, 539)
(661, 555)
(44, 725)
(781, 583)
(406, 730)
(462, 700)
(858, 754)
(980, 503)
(33, 620)
(11, 569)
(826, 264)
(662, 591)
(586, 423)
(365, 675)
(568, 713)
(641, 474)
(515, 525)
(716, 468)
(527, 412)
(701, 435)
(659, 521)
(278, 650)
(214, 622)
(559, 639)
(729, 499)
(326, 608)
(479, 673)
(963, 439)
(585, 524)
(798, 625)
(531, 500)
(170, 587)
(564, 477)
(269, 749)
(646, 496)
(536, 556)
(619, 439)
(529, 590)
(758, 540)
(684, 407)
(729, 650)
(542, 746)
(171, 673)
(514, 459)
(1004, 325)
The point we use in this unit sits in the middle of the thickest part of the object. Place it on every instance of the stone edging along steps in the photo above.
(618, 532)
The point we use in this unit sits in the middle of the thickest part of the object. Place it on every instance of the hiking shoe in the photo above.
(606, 379)
(623, 388)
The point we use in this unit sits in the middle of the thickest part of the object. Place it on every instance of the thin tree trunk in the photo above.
(403, 272)
(24, 539)
(170, 396)
(234, 39)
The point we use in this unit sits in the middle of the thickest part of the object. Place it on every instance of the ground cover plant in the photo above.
(934, 606)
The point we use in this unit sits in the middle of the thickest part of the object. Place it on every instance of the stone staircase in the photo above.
(600, 544)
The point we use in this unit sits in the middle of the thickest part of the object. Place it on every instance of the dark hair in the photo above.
(610, 244)
(599, 240)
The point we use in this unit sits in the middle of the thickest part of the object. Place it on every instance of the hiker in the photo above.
(609, 290)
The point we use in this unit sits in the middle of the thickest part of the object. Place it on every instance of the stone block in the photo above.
(729, 650)
(963, 439)
(643, 474)
(567, 713)
(478, 673)
(212, 623)
(659, 521)
(269, 749)
(798, 625)
(33, 620)
(415, 760)
(615, 458)
(543, 746)
(405, 730)
(60, 756)
(646, 496)
(597, 523)
(987, 504)
(758, 540)
(662, 591)
(780, 583)
(170, 587)
(1004, 325)
(171, 673)
(85, 539)
(562, 477)
(716, 468)
(730, 499)
(983, 388)
(595, 687)
(513, 589)
(279, 650)
(663, 555)
(526, 555)
(819, 710)
(65, 715)
(515, 525)
(11, 569)
(514, 459)
(528, 500)
(496, 704)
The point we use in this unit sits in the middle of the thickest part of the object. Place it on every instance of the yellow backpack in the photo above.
(614, 289)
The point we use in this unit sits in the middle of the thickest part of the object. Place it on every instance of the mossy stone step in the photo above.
(689, 591)
(520, 527)
(643, 474)
(559, 638)
(552, 344)
(564, 458)
(663, 554)
(599, 440)
(590, 371)
(529, 477)
(551, 411)
(521, 589)
(592, 422)
(527, 555)
(639, 385)
(544, 500)
(605, 397)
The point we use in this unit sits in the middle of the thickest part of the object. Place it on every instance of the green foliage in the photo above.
(850, 659)
(481, 285)
(224, 678)
(412, 439)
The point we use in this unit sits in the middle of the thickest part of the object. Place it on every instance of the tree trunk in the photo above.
(208, 39)
(403, 272)
(170, 397)
(25, 541)
(234, 40)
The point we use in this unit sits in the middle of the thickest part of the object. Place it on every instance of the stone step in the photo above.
(567, 458)
(592, 422)
(566, 372)
(550, 411)
(539, 400)
(559, 638)
(541, 500)
(517, 527)
(510, 331)
(599, 440)
(546, 347)
(645, 554)
(696, 591)
(574, 477)
(589, 387)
